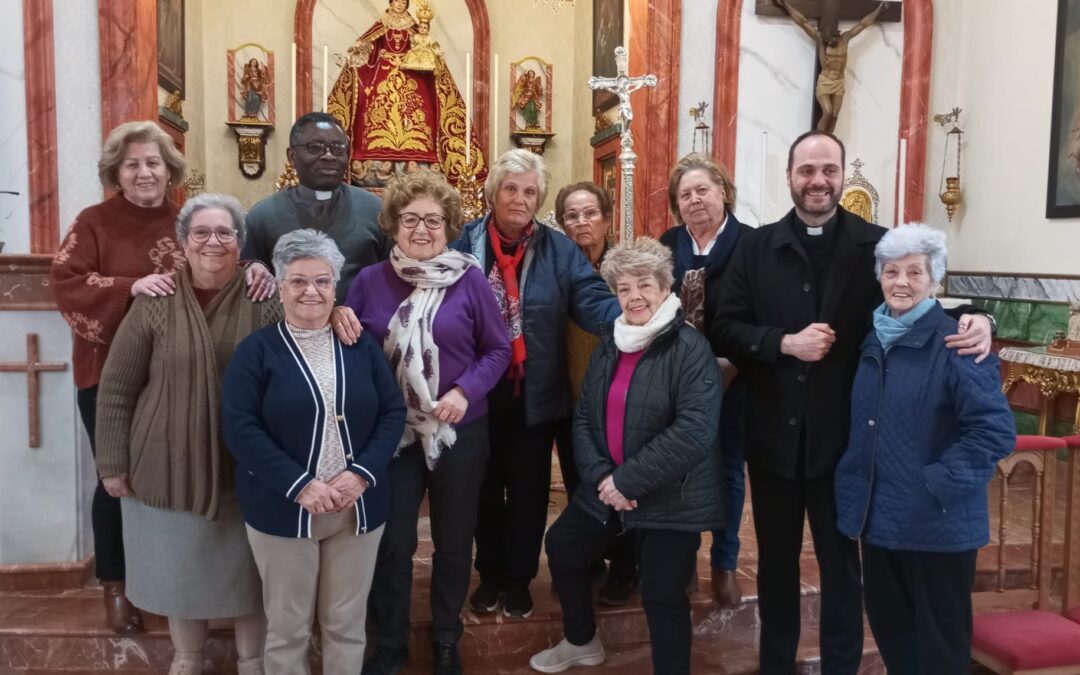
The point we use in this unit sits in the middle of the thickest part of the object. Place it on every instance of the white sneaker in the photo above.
(565, 655)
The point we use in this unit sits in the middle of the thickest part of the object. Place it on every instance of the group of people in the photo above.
(271, 395)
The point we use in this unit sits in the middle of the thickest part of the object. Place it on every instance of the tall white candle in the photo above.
(495, 108)
(901, 183)
(292, 88)
(468, 109)
(762, 177)
(325, 75)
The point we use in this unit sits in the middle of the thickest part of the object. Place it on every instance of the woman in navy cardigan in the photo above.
(312, 423)
(928, 427)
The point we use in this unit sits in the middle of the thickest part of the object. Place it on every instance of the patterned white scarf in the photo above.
(411, 349)
(631, 339)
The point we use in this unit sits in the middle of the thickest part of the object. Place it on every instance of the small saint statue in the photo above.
(528, 98)
(424, 53)
(832, 48)
(253, 87)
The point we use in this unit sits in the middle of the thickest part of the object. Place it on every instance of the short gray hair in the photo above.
(209, 200)
(300, 244)
(913, 238)
(516, 161)
(639, 258)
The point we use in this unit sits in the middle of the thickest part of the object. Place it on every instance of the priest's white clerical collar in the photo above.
(815, 231)
(323, 195)
(317, 195)
(712, 242)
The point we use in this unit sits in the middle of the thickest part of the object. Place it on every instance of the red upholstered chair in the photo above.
(1032, 638)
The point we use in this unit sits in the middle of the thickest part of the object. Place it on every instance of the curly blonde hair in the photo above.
(115, 147)
(639, 258)
(423, 183)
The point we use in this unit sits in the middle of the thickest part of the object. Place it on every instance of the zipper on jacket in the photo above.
(873, 445)
(363, 511)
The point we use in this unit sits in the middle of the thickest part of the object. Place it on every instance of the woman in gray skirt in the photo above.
(160, 447)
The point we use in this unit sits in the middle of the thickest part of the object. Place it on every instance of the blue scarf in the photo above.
(890, 330)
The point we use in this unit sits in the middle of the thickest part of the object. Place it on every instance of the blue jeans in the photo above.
(724, 552)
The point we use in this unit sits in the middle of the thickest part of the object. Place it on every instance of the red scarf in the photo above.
(504, 283)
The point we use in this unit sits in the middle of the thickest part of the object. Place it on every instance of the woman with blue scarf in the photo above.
(928, 427)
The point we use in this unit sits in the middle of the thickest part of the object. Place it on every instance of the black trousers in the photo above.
(453, 490)
(514, 494)
(666, 560)
(622, 552)
(105, 518)
(919, 608)
(780, 505)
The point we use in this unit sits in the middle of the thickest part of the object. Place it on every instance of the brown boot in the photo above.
(122, 616)
(725, 588)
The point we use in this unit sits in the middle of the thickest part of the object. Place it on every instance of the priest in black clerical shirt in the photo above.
(319, 151)
(791, 311)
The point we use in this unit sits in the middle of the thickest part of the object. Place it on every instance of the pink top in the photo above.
(616, 402)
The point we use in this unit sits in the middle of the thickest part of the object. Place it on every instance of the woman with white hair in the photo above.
(312, 423)
(540, 279)
(645, 447)
(158, 440)
(927, 429)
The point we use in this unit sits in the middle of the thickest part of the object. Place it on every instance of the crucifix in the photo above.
(32, 367)
(622, 85)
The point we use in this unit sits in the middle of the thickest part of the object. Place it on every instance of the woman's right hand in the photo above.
(117, 486)
(317, 497)
(154, 285)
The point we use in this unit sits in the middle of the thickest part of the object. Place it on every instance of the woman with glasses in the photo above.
(441, 330)
(312, 422)
(159, 443)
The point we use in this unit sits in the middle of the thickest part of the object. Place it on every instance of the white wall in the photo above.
(14, 209)
(995, 59)
(697, 72)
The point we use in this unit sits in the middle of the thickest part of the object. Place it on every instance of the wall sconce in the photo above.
(951, 196)
(701, 130)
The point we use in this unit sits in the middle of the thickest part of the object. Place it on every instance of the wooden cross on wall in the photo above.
(829, 13)
(32, 367)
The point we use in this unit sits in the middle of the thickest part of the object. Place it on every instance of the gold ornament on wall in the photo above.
(860, 196)
(949, 188)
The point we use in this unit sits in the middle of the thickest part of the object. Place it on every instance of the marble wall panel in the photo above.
(1014, 288)
(41, 490)
(698, 67)
(14, 208)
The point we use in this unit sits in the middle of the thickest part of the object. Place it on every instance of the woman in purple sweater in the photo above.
(433, 312)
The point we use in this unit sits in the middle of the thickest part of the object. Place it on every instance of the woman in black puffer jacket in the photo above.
(645, 445)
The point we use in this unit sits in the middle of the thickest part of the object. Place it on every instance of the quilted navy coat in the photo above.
(672, 464)
(927, 428)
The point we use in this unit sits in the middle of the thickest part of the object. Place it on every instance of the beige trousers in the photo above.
(328, 576)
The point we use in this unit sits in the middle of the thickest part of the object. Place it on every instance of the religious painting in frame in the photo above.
(170, 45)
(1063, 183)
(607, 35)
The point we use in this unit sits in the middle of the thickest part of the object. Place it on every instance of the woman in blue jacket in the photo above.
(313, 424)
(927, 429)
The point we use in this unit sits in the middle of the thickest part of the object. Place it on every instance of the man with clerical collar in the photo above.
(791, 312)
(319, 152)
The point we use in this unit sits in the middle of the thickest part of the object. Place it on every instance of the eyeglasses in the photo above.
(432, 221)
(201, 235)
(318, 148)
(300, 284)
(586, 215)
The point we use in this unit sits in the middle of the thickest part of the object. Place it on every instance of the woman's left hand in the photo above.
(260, 283)
(611, 496)
(973, 336)
(345, 324)
(350, 486)
(452, 406)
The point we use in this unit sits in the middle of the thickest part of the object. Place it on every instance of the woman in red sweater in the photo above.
(119, 248)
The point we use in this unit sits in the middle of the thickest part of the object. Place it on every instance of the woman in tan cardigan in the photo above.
(160, 448)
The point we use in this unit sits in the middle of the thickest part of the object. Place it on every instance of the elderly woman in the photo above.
(701, 196)
(159, 443)
(540, 280)
(645, 444)
(120, 248)
(427, 299)
(924, 442)
(312, 423)
(584, 211)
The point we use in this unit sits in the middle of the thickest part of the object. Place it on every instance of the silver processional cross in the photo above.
(622, 85)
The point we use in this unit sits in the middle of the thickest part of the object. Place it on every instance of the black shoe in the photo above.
(386, 661)
(447, 660)
(616, 591)
(485, 599)
(517, 603)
